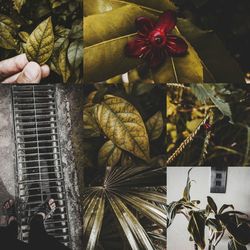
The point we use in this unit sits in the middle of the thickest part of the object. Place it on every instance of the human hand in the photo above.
(19, 70)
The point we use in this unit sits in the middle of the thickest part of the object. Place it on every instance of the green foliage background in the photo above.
(66, 16)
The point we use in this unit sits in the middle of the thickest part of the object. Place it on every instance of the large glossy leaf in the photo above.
(40, 43)
(234, 245)
(105, 37)
(105, 60)
(75, 53)
(155, 126)
(134, 232)
(18, 4)
(109, 154)
(91, 7)
(100, 6)
(187, 68)
(116, 23)
(159, 5)
(219, 65)
(196, 228)
(123, 125)
(94, 206)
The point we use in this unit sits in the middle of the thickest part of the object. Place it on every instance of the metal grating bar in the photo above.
(39, 171)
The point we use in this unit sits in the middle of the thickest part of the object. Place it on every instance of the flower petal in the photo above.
(176, 45)
(136, 48)
(144, 25)
(156, 58)
(167, 21)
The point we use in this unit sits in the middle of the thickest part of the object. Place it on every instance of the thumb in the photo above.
(31, 73)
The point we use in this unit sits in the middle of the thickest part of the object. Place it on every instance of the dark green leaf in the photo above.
(196, 228)
(212, 204)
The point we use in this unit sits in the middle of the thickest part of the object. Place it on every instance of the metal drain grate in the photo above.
(39, 170)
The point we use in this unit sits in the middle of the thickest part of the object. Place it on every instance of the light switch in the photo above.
(218, 179)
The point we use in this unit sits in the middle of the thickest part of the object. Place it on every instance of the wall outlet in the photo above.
(218, 180)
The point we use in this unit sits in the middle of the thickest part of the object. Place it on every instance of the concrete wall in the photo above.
(238, 194)
(69, 112)
(7, 146)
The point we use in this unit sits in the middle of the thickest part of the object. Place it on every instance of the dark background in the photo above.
(230, 19)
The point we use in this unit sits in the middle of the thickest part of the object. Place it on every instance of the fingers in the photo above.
(31, 73)
(12, 66)
(45, 71)
(13, 79)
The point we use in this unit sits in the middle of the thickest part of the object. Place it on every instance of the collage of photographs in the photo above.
(124, 125)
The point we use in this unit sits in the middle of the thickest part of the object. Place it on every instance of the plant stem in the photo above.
(196, 247)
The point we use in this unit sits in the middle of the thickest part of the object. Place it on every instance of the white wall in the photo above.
(237, 193)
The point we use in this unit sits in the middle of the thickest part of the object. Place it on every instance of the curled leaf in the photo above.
(40, 43)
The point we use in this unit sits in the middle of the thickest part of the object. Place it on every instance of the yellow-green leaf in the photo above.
(151, 5)
(7, 41)
(75, 53)
(24, 36)
(123, 125)
(106, 36)
(9, 23)
(18, 4)
(155, 126)
(91, 7)
(109, 154)
(187, 68)
(100, 6)
(63, 62)
(116, 23)
(105, 60)
(40, 43)
(90, 126)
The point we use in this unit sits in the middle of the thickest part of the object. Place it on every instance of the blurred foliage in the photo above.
(125, 179)
(208, 125)
(51, 34)
(228, 18)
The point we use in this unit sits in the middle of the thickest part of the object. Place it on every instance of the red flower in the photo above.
(154, 42)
